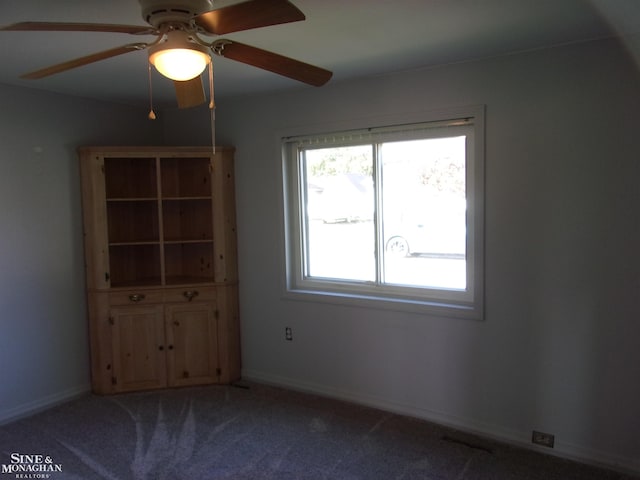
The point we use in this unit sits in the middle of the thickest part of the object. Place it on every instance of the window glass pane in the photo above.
(424, 212)
(339, 227)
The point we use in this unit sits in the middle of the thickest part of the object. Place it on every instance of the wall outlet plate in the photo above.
(544, 439)
(288, 334)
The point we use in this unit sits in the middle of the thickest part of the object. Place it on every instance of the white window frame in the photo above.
(466, 303)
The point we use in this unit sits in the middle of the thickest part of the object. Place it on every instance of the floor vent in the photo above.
(475, 446)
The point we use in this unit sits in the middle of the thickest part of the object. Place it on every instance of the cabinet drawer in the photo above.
(133, 297)
(196, 294)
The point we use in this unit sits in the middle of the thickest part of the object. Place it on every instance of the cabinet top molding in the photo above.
(168, 150)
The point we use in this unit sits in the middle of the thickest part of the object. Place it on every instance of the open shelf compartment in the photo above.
(133, 221)
(188, 263)
(130, 178)
(187, 220)
(185, 177)
(135, 265)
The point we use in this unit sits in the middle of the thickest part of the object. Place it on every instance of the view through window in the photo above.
(422, 198)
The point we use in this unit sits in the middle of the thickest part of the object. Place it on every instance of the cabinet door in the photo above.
(192, 343)
(139, 360)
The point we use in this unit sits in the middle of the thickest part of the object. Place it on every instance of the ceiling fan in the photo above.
(180, 52)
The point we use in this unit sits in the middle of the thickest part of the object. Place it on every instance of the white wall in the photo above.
(558, 350)
(44, 355)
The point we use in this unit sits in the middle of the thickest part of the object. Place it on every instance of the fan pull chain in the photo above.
(212, 108)
(152, 114)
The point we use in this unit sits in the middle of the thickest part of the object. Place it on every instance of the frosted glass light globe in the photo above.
(178, 58)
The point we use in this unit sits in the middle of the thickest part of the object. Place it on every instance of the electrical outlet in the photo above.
(541, 438)
(288, 334)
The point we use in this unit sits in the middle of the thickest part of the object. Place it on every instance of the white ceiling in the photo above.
(352, 38)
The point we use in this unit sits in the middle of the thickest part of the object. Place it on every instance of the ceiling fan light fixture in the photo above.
(178, 58)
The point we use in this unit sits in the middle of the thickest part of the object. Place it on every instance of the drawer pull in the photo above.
(190, 294)
(136, 297)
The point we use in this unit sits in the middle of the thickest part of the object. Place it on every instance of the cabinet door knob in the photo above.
(160, 347)
(190, 294)
(136, 297)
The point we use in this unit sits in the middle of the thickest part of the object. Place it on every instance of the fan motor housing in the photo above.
(157, 12)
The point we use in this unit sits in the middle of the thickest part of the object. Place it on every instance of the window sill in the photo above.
(413, 306)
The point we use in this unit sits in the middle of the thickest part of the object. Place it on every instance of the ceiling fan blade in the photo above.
(78, 27)
(247, 15)
(272, 62)
(78, 62)
(190, 93)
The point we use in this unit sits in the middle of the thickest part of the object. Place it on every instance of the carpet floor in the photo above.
(257, 432)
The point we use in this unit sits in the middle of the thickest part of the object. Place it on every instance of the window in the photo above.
(390, 215)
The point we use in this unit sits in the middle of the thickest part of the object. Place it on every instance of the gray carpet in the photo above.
(257, 433)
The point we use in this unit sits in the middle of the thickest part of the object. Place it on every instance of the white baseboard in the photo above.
(40, 404)
(512, 437)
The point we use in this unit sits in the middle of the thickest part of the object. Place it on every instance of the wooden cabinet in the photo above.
(159, 226)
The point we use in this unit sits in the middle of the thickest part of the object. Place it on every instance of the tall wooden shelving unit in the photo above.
(161, 266)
